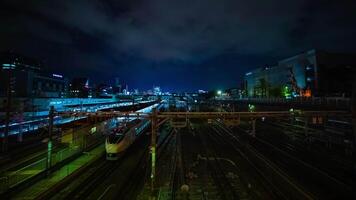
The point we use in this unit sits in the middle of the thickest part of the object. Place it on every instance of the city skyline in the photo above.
(177, 99)
(207, 45)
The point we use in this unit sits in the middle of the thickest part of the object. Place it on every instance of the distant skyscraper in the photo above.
(28, 78)
(157, 90)
(117, 86)
(117, 82)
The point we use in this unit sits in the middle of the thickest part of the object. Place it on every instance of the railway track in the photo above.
(177, 175)
(140, 174)
(30, 154)
(227, 190)
(136, 179)
(305, 173)
(96, 175)
(173, 184)
(337, 168)
(197, 176)
(104, 179)
(279, 183)
(166, 165)
(316, 181)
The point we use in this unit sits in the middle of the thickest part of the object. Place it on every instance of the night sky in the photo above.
(179, 45)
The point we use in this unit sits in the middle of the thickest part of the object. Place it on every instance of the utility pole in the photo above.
(353, 111)
(49, 144)
(153, 151)
(253, 132)
(8, 111)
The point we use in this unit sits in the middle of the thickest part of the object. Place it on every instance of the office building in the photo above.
(312, 73)
(27, 78)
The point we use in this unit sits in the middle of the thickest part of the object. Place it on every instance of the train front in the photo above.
(113, 143)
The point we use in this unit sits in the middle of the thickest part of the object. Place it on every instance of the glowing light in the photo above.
(248, 73)
(57, 75)
(153, 163)
(307, 93)
(219, 92)
(86, 84)
(93, 130)
(286, 92)
(49, 153)
(251, 107)
(8, 66)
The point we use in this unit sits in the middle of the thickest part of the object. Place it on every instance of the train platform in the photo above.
(57, 176)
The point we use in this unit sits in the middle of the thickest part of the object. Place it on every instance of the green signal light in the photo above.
(251, 107)
(49, 145)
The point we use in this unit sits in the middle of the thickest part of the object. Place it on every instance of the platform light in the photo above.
(251, 107)
(153, 160)
(286, 92)
(93, 130)
(57, 75)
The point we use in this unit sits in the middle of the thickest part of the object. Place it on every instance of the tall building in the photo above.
(50, 85)
(262, 82)
(28, 79)
(117, 81)
(312, 73)
(103, 90)
(79, 88)
(117, 86)
(157, 90)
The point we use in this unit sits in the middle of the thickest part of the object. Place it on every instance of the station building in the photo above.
(26, 78)
(312, 73)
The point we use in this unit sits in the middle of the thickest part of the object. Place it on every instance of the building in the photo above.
(117, 89)
(312, 73)
(234, 93)
(266, 81)
(103, 91)
(49, 85)
(79, 88)
(27, 78)
(157, 90)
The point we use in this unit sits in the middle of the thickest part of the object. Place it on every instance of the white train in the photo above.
(125, 134)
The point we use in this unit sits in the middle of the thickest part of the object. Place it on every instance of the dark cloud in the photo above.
(145, 41)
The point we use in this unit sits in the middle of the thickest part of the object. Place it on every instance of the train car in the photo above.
(123, 136)
(126, 133)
